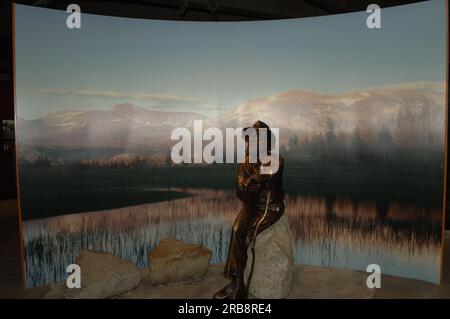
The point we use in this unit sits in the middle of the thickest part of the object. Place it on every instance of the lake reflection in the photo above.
(338, 232)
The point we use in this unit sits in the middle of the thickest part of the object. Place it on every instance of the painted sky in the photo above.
(209, 67)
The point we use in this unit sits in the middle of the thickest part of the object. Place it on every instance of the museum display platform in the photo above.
(309, 281)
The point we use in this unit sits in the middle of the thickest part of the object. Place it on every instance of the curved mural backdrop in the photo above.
(361, 114)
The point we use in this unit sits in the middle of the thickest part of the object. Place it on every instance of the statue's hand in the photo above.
(252, 182)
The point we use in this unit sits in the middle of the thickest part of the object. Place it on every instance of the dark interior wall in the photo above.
(7, 153)
(447, 212)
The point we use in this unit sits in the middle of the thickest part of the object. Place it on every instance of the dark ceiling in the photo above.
(192, 10)
(219, 10)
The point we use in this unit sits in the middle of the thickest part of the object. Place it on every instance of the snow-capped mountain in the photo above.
(403, 108)
(123, 126)
(412, 112)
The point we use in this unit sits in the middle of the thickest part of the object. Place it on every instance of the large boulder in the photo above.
(175, 261)
(274, 262)
(103, 275)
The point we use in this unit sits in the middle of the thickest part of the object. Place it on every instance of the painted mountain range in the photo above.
(413, 113)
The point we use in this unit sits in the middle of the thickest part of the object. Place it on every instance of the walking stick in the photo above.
(253, 243)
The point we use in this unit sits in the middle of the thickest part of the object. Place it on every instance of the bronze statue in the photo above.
(262, 196)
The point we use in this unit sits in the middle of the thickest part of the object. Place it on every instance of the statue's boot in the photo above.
(226, 292)
(231, 291)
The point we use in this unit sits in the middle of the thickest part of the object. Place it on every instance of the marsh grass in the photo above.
(403, 239)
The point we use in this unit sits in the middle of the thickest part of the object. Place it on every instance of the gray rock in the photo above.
(104, 275)
(175, 261)
(274, 262)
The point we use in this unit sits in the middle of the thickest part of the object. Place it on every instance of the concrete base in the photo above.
(309, 281)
